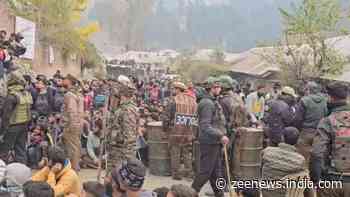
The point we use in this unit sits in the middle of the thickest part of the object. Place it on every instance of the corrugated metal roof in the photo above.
(252, 62)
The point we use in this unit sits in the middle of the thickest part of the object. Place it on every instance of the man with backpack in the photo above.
(16, 114)
(330, 150)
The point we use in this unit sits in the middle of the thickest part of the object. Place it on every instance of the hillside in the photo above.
(234, 25)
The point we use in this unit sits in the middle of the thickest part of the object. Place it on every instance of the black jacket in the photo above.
(278, 115)
(211, 121)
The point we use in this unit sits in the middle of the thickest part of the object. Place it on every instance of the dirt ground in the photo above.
(151, 183)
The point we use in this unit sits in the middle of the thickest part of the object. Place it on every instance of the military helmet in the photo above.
(226, 81)
(211, 81)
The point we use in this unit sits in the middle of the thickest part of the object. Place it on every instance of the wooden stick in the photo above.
(228, 172)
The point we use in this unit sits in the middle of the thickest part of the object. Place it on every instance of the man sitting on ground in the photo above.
(93, 189)
(37, 189)
(12, 177)
(181, 191)
(59, 174)
(127, 180)
(161, 192)
(278, 162)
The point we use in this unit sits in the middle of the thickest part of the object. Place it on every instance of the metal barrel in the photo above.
(159, 155)
(247, 158)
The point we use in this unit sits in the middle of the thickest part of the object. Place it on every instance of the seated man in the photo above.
(40, 140)
(93, 189)
(37, 189)
(12, 177)
(127, 180)
(90, 158)
(277, 162)
(59, 174)
(181, 191)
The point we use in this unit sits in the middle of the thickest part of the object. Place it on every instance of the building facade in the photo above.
(7, 21)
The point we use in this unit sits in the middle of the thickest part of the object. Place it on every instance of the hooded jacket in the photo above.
(64, 183)
(312, 109)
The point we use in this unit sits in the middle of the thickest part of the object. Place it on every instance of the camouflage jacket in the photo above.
(123, 125)
(322, 144)
(181, 107)
(234, 111)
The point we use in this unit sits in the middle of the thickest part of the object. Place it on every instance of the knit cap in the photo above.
(131, 174)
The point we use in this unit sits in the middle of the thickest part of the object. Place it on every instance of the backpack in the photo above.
(100, 100)
(340, 158)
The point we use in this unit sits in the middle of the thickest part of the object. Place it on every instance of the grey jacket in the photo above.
(211, 121)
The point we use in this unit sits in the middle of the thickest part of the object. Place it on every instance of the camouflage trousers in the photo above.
(117, 155)
(180, 152)
(304, 145)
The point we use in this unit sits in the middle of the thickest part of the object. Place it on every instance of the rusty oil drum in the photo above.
(248, 147)
(158, 153)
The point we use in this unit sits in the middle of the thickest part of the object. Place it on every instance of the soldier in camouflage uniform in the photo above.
(178, 121)
(123, 125)
(330, 150)
(235, 116)
(230, 102)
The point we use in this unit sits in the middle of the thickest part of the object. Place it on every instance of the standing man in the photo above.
(123, 123)
(229, 103)
(311, 109)
(73, 114)
(179, 121)
(330, 149)
(212, 135)
(255, 104)
(42, 104)
(16, 115)
(279, 115)
(235, 116)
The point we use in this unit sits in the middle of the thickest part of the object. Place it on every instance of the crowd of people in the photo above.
(304, 134)
(59, 125)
